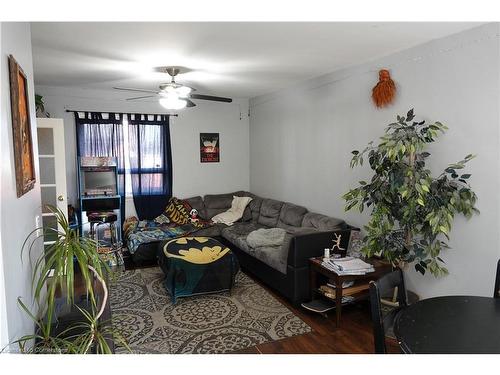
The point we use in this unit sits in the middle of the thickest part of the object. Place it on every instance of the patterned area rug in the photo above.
(214, 323)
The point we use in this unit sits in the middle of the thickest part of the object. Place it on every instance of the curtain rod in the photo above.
(129, 113)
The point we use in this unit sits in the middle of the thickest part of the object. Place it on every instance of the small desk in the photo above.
(315, 269)
(450, 325)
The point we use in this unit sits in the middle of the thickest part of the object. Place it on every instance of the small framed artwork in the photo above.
(21, 129)
(209, 147)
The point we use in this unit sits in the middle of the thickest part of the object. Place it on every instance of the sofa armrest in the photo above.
(305, 246)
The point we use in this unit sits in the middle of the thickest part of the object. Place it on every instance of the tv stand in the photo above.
(98, 187)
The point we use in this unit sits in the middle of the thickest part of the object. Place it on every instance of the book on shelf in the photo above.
(345, 284)
(330, 291)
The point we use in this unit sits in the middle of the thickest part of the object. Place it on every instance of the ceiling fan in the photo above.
(174, 95)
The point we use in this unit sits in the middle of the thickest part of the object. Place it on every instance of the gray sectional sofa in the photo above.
(286, 268)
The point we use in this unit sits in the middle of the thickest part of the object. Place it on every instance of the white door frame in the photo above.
(57, 126)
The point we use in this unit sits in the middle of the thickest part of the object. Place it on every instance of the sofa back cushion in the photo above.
(254, 207)
(291, 215)
(218, 203)
(177, 212)
(197, 203)
(322, 222)
(269, 212)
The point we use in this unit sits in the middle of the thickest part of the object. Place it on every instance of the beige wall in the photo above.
(17, 218)
(190, 177)
(301, 141)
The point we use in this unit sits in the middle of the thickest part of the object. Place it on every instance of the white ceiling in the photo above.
(238, 60)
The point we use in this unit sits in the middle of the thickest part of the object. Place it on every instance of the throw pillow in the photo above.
(235, 213)
(240, 203)
(178, 211)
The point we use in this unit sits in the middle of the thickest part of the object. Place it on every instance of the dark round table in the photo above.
(450, 325)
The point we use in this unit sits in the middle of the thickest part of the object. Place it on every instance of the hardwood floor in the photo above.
(354, 336)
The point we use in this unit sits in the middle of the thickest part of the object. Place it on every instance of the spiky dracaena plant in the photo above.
(412, 211)
(54, 270)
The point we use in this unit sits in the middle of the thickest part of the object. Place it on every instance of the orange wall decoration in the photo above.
(384, 92)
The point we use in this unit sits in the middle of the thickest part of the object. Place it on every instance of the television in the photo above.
(99, 182)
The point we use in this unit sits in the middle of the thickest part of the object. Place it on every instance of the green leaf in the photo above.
(469, 157)
(412, 211)
(443, 229)
(419, 268)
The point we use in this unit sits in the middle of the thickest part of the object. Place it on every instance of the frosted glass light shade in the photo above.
(172, 102)
(184, 91)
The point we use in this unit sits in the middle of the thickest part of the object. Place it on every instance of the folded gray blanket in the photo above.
(266, 237)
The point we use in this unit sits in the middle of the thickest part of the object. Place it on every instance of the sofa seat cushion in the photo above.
(237, 234)
(269, 212)
(214, 230)
(274, 256)
(266, 237)
(322, 222)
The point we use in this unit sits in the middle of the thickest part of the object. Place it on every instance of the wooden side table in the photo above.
(361, 282)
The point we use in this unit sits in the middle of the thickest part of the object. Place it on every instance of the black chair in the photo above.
(382, 288)
(496, 292)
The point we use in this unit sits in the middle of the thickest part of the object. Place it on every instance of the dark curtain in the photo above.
(150, 163)
(99, 134)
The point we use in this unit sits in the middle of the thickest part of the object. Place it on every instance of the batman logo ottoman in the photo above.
(197, 265)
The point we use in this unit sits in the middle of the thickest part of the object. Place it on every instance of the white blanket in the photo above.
(235, 213)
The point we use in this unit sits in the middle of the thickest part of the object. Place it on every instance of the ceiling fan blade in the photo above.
(210, 97)
(141, 97)
(132, 89)
(189, 103)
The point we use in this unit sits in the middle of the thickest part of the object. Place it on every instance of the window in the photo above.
(149, 157)
(141, 144)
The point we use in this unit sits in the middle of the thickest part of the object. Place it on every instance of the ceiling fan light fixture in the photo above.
(172, 102)
(184, 91)
(169, 89)
(173, 95)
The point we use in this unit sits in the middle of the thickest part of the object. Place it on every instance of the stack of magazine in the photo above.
(347, 266)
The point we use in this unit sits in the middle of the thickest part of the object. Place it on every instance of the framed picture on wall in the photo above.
(209, 147)
(21, 129)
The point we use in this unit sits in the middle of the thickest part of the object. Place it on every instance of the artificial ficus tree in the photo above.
(412, 211)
